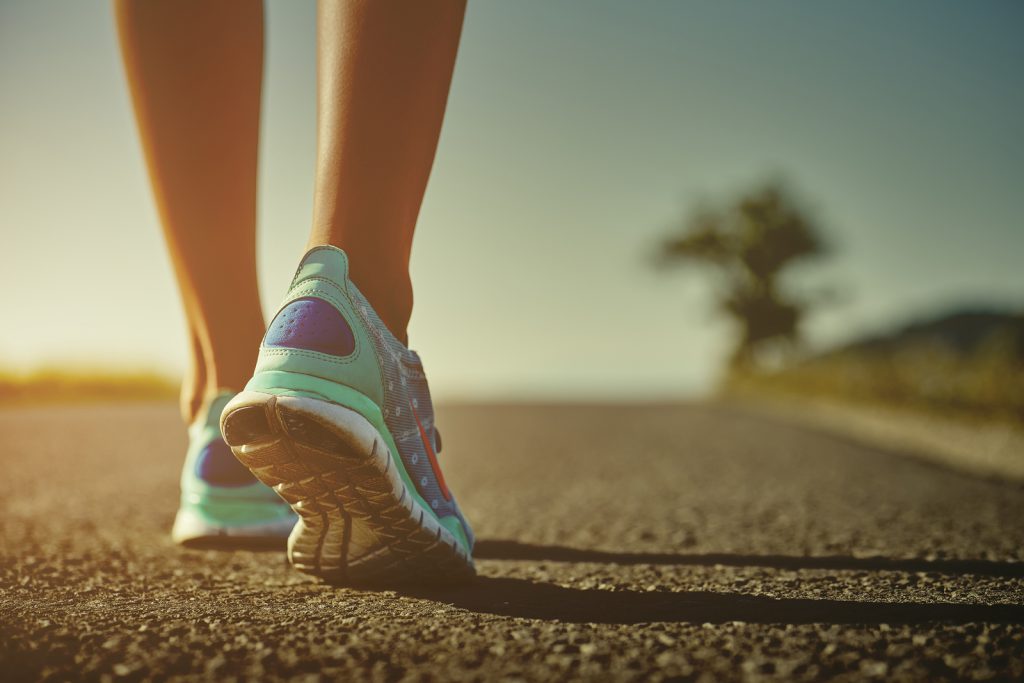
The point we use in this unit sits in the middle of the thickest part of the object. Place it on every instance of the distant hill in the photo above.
(966, 361)
(963, 333)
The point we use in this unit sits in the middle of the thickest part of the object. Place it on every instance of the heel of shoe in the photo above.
(287, 383)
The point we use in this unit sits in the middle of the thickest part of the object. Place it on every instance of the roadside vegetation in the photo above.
(56, 385)
(965, 363)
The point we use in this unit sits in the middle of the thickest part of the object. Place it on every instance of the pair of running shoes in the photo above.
(331, 444)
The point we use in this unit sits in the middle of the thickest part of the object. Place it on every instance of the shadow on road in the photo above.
(514, 550)
(529, 600)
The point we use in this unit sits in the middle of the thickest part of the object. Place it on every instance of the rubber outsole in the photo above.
(358, 521)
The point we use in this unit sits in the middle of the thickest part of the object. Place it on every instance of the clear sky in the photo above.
(577, 134)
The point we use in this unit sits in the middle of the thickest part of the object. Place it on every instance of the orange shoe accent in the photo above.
(431, 455)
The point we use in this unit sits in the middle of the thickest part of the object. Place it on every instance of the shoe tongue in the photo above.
(326, 262)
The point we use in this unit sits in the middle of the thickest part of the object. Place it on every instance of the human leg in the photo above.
(338, 415)
(194, 70)
(384, 70)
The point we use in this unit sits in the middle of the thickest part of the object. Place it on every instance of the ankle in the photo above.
(391, 298)
(223, 382)
(189, 404)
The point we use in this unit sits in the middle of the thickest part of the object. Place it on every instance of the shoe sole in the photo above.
(358, 521)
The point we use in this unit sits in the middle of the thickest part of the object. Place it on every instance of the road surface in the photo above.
(653, 542)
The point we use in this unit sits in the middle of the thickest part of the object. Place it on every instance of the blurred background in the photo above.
(642, 201)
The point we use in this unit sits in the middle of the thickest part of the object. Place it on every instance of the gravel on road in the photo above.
(646, 542)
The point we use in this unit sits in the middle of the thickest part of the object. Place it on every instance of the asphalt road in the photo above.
(615, 543)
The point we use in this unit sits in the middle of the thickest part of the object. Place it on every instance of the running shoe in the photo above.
(338, 419)
(221, 502)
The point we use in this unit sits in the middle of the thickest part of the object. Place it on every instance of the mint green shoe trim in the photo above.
(282, 383)
(235, 513)
(452, 523)
(195, 490)
(325, 262)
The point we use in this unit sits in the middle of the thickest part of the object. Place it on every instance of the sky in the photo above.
(578, 134)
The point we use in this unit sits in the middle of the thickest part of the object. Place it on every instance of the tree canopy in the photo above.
(750, 244)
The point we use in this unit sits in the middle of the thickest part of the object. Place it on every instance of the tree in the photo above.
(751, 243)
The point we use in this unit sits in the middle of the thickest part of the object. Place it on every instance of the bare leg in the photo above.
(193, 384)
(195, 69)
(384, 69)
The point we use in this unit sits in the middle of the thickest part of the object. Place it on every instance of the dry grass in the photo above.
(988, 384)
(83, 385)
